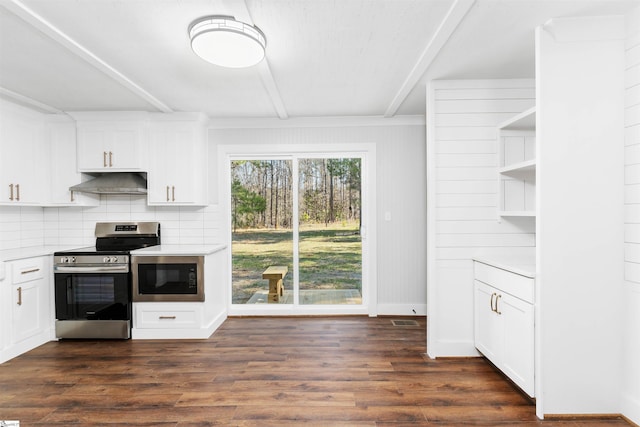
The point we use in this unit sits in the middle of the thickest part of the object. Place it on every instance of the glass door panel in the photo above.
(262, 233)
(329, 240)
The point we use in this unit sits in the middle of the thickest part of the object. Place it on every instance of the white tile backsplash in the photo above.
(75, 226)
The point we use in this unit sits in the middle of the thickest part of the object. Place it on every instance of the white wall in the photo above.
(401, 189)
(579, 277)
(462, 163)
(631, 350)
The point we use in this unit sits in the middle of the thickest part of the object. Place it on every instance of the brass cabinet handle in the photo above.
(166, 317)
(497, 298)
(104, 159)
(173, 193)
(72, 198)
(110, 159)
(20, 296)
(33, 270)
(167, 193)
(10, 191)
(17, 192)
(493, 295)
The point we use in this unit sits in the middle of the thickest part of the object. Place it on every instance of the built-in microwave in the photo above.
(167, 278)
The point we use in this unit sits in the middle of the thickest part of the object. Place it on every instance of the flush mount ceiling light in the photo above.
(223, 41)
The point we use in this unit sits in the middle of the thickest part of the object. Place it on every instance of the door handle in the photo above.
(20, 296)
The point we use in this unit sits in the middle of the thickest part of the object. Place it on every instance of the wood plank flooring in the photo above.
(329, 371)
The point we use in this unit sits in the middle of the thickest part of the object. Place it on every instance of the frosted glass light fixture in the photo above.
(223, 41)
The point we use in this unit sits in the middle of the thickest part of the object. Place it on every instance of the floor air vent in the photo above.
(397, 322)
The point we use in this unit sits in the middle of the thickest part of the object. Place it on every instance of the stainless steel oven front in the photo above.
(167, 278)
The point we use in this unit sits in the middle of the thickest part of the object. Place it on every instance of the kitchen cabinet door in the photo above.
(177, 174)
(518, 350)
(111, 146)
(29, 306)
(64, 174)
(488, 328)
(22, 162)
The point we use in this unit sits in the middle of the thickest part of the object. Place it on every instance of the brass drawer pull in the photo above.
(10, 191)
(20, 296)
(497, 298)
(167, 317)
(33, 270)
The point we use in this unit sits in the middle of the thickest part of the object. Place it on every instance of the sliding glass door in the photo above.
(296, 231)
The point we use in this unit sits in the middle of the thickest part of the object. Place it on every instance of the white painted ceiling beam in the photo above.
(31, 17)
(452, 19)
(25, 100)
(266, 75)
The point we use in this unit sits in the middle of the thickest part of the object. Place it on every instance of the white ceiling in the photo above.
(324, 57)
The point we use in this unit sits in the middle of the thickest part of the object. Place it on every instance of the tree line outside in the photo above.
(329, 191)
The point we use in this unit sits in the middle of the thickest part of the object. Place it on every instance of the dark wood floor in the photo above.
(341, 371)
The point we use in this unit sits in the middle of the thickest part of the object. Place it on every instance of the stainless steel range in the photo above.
(93, 285)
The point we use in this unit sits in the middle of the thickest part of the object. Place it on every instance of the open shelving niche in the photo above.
(517, 165)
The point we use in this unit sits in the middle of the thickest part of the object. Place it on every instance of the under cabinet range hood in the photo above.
(113, 183)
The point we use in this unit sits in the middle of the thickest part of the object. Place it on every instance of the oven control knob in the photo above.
(114, 259)
(105, 259)
(73, 259)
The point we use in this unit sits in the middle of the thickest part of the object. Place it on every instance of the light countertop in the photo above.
(30, 252)
(179, 250)
(522, 266)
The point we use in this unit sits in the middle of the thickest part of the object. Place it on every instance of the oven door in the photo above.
(92, 296)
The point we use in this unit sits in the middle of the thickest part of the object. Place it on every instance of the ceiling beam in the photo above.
(269, 83)
(452, 19)
(38, 22)
(25, 100)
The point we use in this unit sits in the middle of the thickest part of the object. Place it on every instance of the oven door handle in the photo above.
(109, 269)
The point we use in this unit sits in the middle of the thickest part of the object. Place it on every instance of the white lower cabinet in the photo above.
(27, 305)
(504, 323)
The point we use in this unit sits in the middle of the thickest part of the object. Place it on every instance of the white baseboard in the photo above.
(631, 408)
(402, 309)
(453, 349)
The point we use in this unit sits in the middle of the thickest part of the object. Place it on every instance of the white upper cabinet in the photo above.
(517, 165)
(61, 136)
(111, 142)
(22, 158)
(177, 156)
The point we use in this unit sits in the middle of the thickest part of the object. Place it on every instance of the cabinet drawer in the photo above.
(155, 316)
(28, 269)
(514, 284)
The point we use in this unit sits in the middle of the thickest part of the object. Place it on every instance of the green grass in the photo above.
(330, 258)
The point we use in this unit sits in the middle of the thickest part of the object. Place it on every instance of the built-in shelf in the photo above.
(517, 165)
(523, 121)
(526, 166)
(517, 213)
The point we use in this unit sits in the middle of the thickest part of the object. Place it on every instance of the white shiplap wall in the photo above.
(631, 385)
(463, 185)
